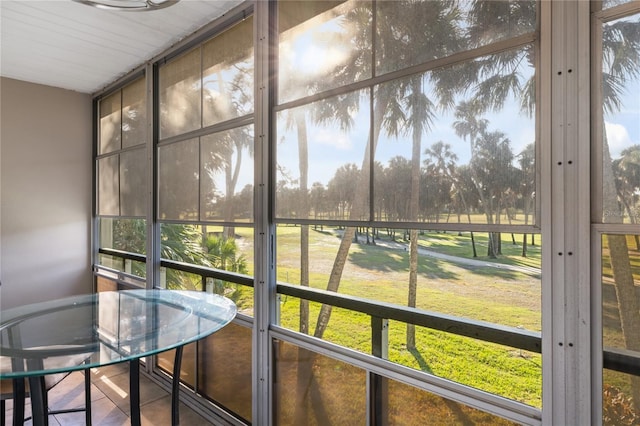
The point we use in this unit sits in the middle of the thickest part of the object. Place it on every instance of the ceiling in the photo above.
(73, 46)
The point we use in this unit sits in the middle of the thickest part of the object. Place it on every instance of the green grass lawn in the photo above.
(505, 291)
(479, 292)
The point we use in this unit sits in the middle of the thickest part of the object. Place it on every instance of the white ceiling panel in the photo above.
(66, 44)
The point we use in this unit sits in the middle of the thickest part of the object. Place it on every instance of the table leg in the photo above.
(87, 397)
(18, 402)
(134, 391)
(39, 413)
(175, 388)
(37, 393)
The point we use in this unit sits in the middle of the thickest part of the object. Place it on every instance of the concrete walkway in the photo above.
(395, 245)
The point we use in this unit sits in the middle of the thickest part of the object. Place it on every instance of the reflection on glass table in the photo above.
(106, 328)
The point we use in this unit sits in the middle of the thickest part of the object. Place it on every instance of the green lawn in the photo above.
(479, 292)
(495, 290)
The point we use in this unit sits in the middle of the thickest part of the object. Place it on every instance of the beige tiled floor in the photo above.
(110, 401)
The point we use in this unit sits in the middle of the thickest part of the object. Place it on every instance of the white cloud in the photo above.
(327, 137)
(617, 137)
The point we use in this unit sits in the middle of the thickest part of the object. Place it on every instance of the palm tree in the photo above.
(527, 159)
(182, 243)
(230, 99)
(445, 165)
(493, 174)
(469, 125)
(626, 170)
(620, 58)
(420, 118)
(222, 253)
(303, 161)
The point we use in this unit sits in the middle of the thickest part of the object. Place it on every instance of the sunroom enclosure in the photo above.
(426, 212)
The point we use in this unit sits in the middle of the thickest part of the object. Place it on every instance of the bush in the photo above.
(617, 408)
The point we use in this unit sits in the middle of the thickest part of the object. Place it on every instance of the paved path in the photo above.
(395, 245)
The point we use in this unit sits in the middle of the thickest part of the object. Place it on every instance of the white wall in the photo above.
(45, 192)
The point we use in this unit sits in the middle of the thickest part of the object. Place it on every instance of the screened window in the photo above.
(409, 178)
(122, 175)
(616, 135)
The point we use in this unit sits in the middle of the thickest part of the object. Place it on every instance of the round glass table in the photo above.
(94, 330)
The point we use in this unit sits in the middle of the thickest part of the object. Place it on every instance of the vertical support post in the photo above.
(378, 385)
(154, 277)
(566, 223)
(264, 233)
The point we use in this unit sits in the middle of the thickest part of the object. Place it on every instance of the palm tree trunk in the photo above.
(413, 212)
(628, 304)
(347, 236)
(303, 160)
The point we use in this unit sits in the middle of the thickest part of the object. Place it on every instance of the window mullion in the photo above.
(566, 187)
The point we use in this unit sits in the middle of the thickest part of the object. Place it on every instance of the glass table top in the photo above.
(105, 328)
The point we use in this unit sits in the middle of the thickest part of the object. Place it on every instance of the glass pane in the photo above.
(444, 278)
(180, 280)
(108, 186)
(414, 32)
(128, 235)
(133, 182)
(180, 95)
(505, 290)
(110, 123)
(322, 45)
(227, 175)
(324, 146)
(124, 265)
(612, 3)
(502, 370)
(182, 242)
(224, 369)
(209, 246)
(123, 234)
(442, 156)
(104, 284)
(621, 109)
(408, 406)
(311, 389)
(621, 322)
(227, 76)
(134, 114)
(178, 180)
(230, 249)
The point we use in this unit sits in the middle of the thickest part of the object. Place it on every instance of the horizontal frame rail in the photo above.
(614, 359)
(488, 332)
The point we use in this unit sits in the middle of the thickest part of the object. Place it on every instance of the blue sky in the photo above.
(623, 127)
(330, 148)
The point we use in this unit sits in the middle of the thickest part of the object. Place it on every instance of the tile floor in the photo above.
(110, 402)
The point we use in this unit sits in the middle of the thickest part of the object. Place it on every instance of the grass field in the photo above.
(506, 291)
(471, 290)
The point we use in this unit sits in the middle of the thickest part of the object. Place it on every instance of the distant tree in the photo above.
(341, 190)
(318, 200)
(491, 166)
(527, 162)
(444, 164)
